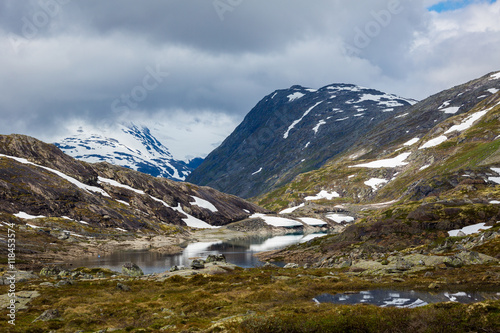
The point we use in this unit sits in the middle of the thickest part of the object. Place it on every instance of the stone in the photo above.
(269, 265)
(197, 264)
(48, 315)
(345, 264)
(22, 299)
(46, 284)
(20, 276)
(122, 287)
(131, 269)
(216, 258)
(50, 271)
(434, 285)
(291, 265)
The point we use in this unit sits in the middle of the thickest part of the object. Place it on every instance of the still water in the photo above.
(238, 251)
(404, 299)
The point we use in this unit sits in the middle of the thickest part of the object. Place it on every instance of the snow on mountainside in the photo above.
(130, 146)
(292, 131)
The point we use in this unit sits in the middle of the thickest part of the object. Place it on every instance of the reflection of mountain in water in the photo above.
(237, 251)
(404, 299)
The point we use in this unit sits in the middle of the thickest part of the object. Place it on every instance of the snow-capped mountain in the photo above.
(129, 146)
(292, 131)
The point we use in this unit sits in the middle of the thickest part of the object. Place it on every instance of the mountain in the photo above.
(130, 146)
(292, 131)
(407, 156)
(39, 180)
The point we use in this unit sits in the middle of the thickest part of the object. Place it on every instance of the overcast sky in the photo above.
(193, 69)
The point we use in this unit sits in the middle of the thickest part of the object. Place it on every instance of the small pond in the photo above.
(404, 299)
(238, 251)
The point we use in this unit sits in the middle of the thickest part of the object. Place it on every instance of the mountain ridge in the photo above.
(284, 134)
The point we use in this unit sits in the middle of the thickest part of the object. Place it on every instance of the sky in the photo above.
(191, 70)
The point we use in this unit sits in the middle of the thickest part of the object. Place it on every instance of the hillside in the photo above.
(292, 131)
(38, 179)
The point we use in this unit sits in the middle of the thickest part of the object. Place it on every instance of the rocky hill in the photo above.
(39, 180)
(411, 180)
(292, 131)
(130, 146)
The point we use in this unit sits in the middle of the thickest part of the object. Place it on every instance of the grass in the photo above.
(252, 300)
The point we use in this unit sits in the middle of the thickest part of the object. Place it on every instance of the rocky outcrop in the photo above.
(131, 269)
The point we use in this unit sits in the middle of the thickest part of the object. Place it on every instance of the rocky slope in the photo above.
(292, 131)
(38, 179)
(408, 188)
(131, 146)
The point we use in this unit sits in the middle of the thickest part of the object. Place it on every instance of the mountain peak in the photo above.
(127, 145)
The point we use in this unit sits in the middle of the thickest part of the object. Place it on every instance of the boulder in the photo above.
(131, 269)
(48, 315)
(216, 258)
(197, 264)
(291, 265)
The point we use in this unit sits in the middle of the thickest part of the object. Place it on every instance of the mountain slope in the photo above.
(292, 131)
(130, 146)
(401, 147)
(38, 179)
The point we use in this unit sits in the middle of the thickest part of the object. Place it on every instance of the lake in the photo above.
(237, 251)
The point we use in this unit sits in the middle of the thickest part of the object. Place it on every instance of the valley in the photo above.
(407, 193)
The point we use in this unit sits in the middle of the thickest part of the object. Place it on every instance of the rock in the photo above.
(22, 299)
(122, 287)
(269, 265)
(402, 265)
(131, 269)
(453, 262)
(461, 234)
(398, 280)
(434, 285)
(50, 271)
(48, 315)
(197, 264)
(215, 258)
(291, 265)
(65, 283)
(345, 264)
(20, 276)
(46, 284)
(421, 263)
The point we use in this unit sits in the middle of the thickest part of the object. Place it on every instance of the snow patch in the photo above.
(434, 142)
(203, 204)
(468, 122)
(495, 76)
(277, 221)
(323, 195)
(386, 163)
(375, 183)
(291, 209)
(26, 216)
(256, 172)
(469, 230)
(294, 96)
(113, 182)
(285, 136)
(411, 142)
(339, 218)
(451, 109)
(316, 128)
(312, 221)
(493, 90)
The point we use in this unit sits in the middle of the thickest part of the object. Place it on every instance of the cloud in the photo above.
(94, 62)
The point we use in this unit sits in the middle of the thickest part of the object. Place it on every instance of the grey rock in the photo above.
(131, 269)
(197, 264)
(122, 287)
(48, 315)
(291, 265)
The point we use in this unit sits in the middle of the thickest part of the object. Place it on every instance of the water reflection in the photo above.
(404, 299)
(237, 251)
